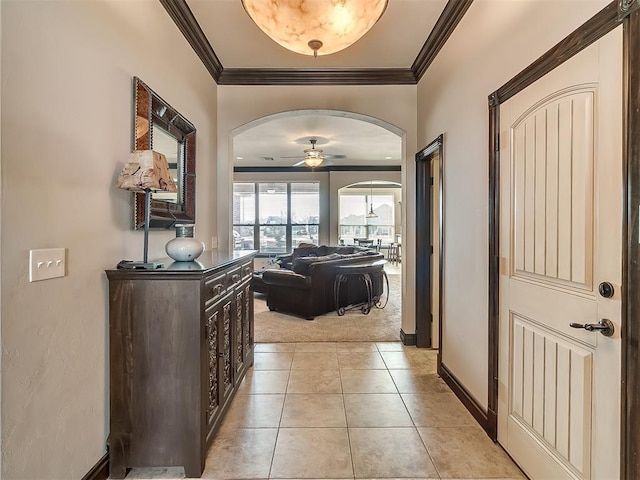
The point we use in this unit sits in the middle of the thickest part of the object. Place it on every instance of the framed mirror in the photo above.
(158, 126)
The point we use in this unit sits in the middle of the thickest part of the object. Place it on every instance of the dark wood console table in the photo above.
(180, 342)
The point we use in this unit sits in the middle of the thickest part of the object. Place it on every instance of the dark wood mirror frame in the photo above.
(149, 110)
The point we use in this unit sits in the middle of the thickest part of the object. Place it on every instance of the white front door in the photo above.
(561, 237)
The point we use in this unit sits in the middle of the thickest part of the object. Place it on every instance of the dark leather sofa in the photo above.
(304, 285)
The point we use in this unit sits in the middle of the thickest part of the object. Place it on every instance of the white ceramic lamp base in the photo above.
(184, 248)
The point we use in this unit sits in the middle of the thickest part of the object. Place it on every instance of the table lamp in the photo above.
(145, 171)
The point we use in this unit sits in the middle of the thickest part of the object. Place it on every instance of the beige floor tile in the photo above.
(408, 381)
(389, 453)
(272, 361)
(312, 453)
(390, 346)
(274, 347)
(356, 347)
(376, 410)
(437, 410)
(315, 361)
(313, 410)
(321, 381)
(264, 381)
(360, 360)
(416, 360)
(254, 411)
(467, 452)
(316, 347)
(152, 473)
(367, 381)
(246, 453)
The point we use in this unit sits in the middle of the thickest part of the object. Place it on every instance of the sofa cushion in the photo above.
(301, 264)
(304, 252)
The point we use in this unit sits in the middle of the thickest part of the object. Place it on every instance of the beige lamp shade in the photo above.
(315, 27)
(146, 170)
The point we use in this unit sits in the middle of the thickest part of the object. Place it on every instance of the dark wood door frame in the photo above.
(627, 13)
(424, 243)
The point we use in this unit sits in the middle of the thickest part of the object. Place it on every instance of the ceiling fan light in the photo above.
(313, 161)
(306, 26)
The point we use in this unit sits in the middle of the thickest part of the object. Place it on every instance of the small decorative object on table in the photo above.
(184, 248)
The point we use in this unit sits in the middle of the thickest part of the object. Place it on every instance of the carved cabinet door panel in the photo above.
(212, 328)
(241, 333)
(225, 348)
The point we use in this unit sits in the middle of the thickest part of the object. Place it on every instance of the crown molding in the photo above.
(451, 15)
(313, 76)
(186, 22)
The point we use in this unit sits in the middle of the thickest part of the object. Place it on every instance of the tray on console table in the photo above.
(180, 342)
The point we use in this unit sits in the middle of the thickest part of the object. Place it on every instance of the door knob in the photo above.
(606, 290)
(604, 326)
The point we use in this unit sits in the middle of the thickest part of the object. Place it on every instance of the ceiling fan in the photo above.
(313, 157)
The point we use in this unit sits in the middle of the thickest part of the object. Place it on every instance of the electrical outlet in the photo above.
(214, 243)
(47, 263)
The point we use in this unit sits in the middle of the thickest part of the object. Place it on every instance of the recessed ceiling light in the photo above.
(387, 158)
(239, 158)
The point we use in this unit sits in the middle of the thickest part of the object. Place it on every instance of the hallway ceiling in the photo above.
(393, 42)
(396, 51)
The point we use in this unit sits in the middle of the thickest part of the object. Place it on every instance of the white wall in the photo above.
(67, 69)
(494, 41)
(239, 105)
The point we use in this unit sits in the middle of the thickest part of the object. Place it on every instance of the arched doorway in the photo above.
(268, 155)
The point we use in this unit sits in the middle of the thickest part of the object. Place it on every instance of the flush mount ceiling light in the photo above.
(315, 27)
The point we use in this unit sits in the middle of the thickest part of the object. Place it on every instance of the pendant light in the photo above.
(371, 213)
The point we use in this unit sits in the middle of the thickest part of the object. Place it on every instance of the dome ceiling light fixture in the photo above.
(315, 27)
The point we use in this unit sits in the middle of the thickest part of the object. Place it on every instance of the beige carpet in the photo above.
(381, 325)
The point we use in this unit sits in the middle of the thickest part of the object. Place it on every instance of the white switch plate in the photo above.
(214, 242)
(47, 263)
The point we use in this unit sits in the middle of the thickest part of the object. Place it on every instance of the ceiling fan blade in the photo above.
(301, 162)
(337, 155)
(295, 156)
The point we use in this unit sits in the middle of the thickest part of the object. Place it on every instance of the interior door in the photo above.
(561, 237)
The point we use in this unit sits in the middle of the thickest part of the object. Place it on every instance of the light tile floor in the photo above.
(347, 410)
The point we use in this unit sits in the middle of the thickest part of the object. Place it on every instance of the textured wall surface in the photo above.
(67, 69)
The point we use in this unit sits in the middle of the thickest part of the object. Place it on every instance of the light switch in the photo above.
(47, 263)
